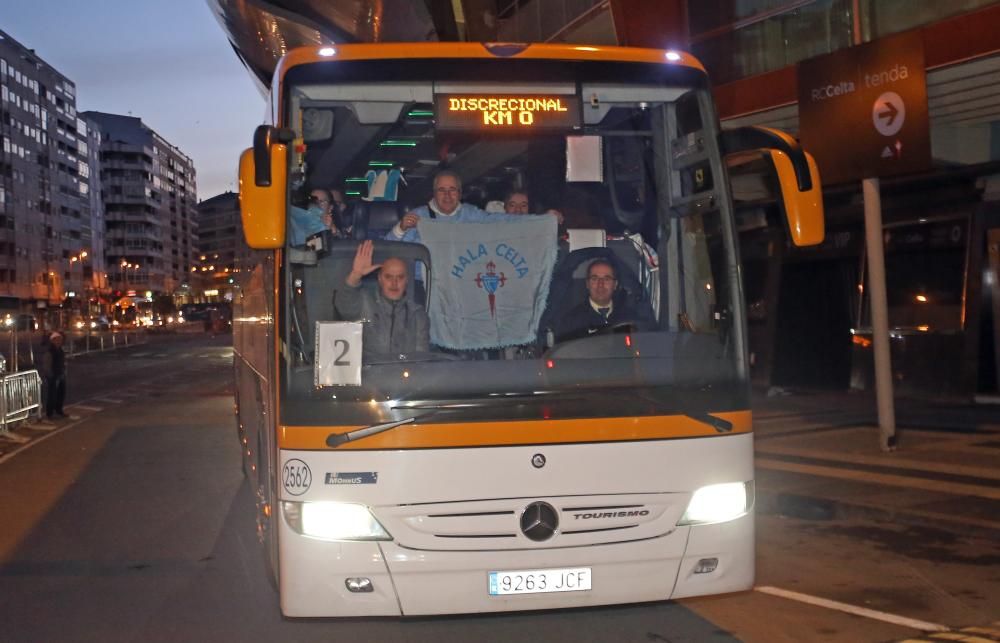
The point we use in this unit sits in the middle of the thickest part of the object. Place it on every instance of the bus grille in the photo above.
(526, 523)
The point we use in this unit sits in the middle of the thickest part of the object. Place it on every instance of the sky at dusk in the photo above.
(167, 62)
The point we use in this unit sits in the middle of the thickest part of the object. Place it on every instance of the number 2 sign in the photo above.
(338, 354)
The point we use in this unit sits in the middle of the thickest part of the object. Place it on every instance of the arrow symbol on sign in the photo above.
(889, 112)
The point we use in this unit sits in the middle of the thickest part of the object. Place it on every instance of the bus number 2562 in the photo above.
(296, 477)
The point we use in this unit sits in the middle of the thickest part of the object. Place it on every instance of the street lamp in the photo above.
(69, 290)
(125, 267)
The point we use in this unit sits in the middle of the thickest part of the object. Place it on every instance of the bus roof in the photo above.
(475, 50)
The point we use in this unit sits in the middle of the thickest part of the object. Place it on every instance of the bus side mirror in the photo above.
(264, 189)
(798, 177)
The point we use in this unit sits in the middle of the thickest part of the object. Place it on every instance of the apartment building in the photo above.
(148, 189)
(46, 181)
(218, 229)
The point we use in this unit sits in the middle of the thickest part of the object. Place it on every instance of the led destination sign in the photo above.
(506, 112)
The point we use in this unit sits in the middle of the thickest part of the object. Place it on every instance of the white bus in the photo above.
(539, 469)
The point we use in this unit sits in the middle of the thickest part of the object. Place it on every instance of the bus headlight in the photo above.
(718, 503)
(333, 521)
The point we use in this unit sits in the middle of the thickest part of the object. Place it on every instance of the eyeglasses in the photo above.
(446, 190)
(594, 279)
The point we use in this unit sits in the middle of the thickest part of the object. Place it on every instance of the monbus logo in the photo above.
(612, 514)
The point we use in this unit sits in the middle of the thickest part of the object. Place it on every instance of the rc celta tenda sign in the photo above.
(863, 110)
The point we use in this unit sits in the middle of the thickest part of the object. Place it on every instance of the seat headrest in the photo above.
(344, 250)
(383, 214)
(372, 219)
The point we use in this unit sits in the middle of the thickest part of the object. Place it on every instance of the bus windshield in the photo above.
(628, 175)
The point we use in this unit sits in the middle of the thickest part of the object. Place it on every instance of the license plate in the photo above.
(539, 581)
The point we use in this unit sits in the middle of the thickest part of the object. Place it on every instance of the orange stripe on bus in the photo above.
(482, 434)
(410, 50)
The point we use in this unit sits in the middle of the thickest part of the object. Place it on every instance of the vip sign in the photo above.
(863, 110)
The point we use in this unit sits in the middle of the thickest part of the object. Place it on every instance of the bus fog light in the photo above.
(359, 585)
(333, 521)
(706, 565)
(718, 503)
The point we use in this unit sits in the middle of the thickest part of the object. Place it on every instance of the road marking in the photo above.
(888, 461)
(84, 407)
(955, 488)
(886, 617)
(13, 437)
(109, 400)
(958, 636)
(988, 631)
(56, 430)
(141, 354)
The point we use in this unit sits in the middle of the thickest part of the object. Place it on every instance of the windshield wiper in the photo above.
(717, 423)
(336, 439)
(493, 400)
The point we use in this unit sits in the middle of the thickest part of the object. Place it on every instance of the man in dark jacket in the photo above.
(394, 325)
(53, 372)
(600, 309)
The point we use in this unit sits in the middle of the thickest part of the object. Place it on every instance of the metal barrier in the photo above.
(88, 343)
(21, 398)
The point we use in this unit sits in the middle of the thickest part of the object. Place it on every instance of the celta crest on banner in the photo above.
(490, 282)
(510, 262)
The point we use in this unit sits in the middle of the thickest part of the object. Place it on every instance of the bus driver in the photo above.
(600, 309)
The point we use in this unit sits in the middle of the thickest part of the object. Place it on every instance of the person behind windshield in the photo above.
(516, 202)
(330, 211)
(600, 310)
(341, 212)
(394, 325)
(446, 205)
(305, 218)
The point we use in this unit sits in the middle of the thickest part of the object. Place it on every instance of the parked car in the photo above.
(100, 323)
(91, 323)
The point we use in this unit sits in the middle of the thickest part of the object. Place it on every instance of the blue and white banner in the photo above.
(490, 280)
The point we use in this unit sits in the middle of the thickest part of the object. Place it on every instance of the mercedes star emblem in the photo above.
(539, 521)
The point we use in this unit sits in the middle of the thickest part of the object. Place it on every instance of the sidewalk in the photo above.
(818, 457)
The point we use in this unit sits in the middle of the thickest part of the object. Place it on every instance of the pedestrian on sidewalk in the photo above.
(53, 372)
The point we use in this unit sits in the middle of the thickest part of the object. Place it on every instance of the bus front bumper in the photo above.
(314, 573)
